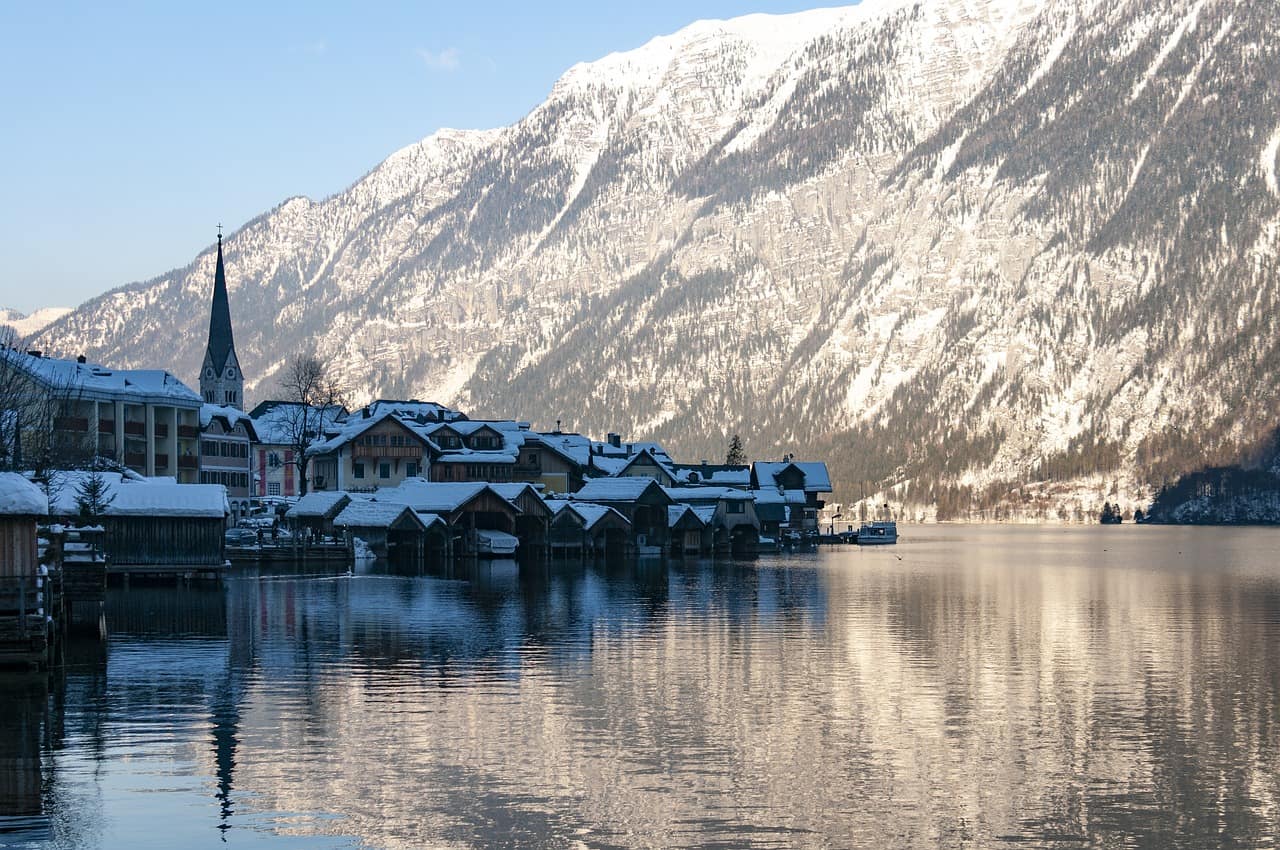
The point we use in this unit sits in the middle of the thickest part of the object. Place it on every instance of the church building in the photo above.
(221, 382)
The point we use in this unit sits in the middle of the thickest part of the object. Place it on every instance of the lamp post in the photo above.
(833, 523)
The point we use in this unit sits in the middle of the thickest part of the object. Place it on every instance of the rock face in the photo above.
(982, 251)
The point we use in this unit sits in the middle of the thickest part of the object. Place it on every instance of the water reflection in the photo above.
(974, 688)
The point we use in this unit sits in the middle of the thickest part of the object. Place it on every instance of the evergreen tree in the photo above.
(93, 495)
(736, 456)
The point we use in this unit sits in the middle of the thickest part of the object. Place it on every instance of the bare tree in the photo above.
(314, 396)
(32, 406)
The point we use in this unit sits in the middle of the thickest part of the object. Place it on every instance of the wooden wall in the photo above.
(165, 541)
(18, 556)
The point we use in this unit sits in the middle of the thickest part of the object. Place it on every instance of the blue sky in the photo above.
(130, 130)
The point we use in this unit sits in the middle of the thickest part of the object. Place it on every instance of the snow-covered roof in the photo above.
(676, 512)
(469, 456)
(317, 503)
(609, 465)
(716, 474)
(19, 497)
(420, 411)
(706, 513)
(133, 495)
(708, 494)
(440, 497)
(372, 513)
(816, 477)
(277, 422)
(779, 497)
(344, 432)
(573, 447)
(92, 381)
(592, 514)
(623, 489)
(229, 415)
(169, 500)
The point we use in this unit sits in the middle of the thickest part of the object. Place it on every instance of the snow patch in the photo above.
(1269, 154)
(1175, 38)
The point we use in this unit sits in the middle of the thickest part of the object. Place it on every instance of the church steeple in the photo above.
(220, 379)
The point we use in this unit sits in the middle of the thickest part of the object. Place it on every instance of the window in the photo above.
(410, 469)
(736, 507)
(208, 448)
(231, 396)
(384, 470)
(273, 460)
(357, 470)
(273, 488)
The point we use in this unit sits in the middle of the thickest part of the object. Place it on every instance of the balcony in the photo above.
(106, 426)
(188, 431)
(70, 423)
(137, 429)
(137, 459)
(188, 462)
(162, 429)
(162, 461)
(414, 452)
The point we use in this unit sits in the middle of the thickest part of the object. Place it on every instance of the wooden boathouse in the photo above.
(25, 630)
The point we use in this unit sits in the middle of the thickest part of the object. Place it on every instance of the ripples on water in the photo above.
(968, 688)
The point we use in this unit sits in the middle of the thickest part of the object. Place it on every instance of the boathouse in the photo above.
(690, 535)
(643, 503)
(23, 630)
(587, 529)
(395, 531)
(315, 512)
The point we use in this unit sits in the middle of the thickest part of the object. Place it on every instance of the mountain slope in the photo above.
(990, 251)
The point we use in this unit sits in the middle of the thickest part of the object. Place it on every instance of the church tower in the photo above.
(220, 378)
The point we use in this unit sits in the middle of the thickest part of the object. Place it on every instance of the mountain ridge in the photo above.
(975, 252)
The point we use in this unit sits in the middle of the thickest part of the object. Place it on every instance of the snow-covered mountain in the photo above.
(25, 325)
(1013, 251)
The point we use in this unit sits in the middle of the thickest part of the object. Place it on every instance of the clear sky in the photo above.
(130, 130)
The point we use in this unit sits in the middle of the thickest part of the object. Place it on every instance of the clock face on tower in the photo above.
(208, 373)
(231, 373)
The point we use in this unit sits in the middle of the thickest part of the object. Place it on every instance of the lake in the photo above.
(971, 687)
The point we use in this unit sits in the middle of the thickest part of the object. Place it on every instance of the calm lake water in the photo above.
(971, 687)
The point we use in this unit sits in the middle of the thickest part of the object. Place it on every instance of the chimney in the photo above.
(364, 412)
(80, 359)
(615, 440)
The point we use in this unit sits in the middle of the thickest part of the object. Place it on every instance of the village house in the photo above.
(281, 427)
(369, 452)
(144, 419)
(809, 477)
(227, 436)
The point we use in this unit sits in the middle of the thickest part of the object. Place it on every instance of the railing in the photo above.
(162, 429)
(162, 461)
(70, 423)
(188, 462)
(138, 429)
(190, 431)
(106, 426)
(135, 459)
(387, 451)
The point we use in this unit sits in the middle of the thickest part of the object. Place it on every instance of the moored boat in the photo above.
(878, 533)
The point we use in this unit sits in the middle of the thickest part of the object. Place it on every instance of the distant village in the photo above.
(173, 476)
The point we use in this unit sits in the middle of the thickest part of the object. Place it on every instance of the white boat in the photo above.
(878, 533)
(495, 543)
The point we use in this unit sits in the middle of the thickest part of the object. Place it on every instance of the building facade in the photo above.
(226, 454)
